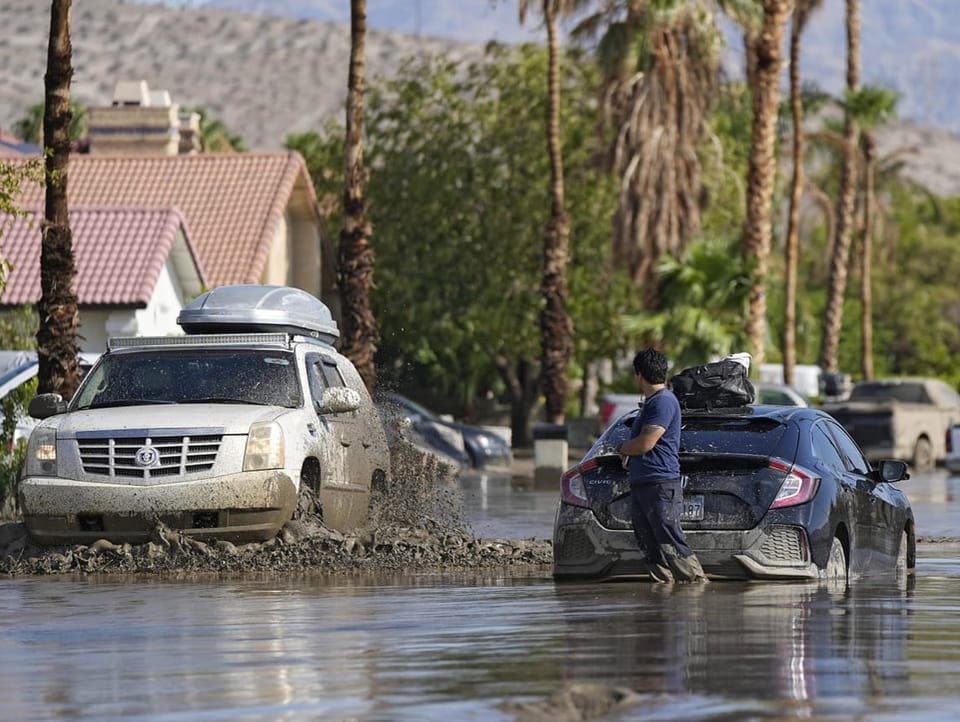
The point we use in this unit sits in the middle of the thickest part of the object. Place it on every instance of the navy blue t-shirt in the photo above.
(662, 461)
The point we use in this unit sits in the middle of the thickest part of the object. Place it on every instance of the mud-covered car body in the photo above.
(770, 492)
(214, 433)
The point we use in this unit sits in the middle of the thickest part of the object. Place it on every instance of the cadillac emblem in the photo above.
(147, 457)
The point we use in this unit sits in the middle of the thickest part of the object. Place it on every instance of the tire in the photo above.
(902, 568)
(923, 455)
(835, 572)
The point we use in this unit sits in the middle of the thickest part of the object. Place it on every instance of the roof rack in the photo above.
(223, 339)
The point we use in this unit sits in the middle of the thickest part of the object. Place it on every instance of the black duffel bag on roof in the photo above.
(719, 384)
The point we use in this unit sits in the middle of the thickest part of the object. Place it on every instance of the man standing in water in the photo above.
(653, 461)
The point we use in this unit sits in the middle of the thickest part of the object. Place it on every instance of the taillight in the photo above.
(572, 490)
(606, 411)
(798, 487)
(949, 439)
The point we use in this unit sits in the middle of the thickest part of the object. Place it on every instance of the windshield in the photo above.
(244, 376)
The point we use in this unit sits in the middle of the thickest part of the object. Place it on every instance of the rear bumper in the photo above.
(243, 507)
(583, 549)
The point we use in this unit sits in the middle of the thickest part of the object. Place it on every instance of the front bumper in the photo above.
(493, 457)
(242, 507)
(583, 549)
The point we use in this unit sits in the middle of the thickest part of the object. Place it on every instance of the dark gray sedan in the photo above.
(771, 492)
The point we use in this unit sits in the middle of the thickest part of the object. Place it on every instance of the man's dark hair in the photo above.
(652, 365)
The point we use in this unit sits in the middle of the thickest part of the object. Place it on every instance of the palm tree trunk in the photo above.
(556, 328)
(762, 165)
(57, 310)
(791, 252)
(866, 296)
(837, 284)
(359, 337)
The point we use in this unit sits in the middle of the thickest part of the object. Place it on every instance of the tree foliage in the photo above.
(30, 126)
(459, 194)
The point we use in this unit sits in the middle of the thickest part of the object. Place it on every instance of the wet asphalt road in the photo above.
(489, 645)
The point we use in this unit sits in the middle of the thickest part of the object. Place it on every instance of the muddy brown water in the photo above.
(492, 643)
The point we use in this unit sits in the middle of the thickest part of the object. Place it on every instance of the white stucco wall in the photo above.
(159, 318)
(276, 272)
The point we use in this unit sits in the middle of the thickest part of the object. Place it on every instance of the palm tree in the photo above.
(801, 14)
(661, 66)
(556, 327)
(871, 106)
(762, 164)
(843, 222)
(360, 335)
(704, 297)
(30, 126)
(215, 136)
(57, 369)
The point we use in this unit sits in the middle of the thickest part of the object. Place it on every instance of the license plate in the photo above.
(692, 509)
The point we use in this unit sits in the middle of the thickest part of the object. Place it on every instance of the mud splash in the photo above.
(415, 523)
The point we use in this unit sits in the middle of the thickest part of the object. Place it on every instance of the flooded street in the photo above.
(488, 645)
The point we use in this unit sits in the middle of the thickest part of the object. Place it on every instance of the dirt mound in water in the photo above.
(416, 523)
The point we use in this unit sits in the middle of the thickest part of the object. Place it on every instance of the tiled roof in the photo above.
(233, 202)
(118, 254)
(11, 146)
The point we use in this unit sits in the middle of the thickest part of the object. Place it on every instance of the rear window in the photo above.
(907, 393)
(705, 435)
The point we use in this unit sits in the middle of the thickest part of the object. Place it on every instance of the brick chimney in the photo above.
(141, 121)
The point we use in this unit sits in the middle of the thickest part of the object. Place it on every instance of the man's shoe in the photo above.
(659, 573)
(688, 569)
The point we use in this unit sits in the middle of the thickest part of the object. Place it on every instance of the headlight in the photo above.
(41, 453)
(264, 447)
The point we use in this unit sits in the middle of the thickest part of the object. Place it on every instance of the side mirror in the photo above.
(889, 470)
(338, 400)
(44, 406)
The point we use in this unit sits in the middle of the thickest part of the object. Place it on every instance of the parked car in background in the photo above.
(19, 367)
(952, 458)
(474, 446)
(901, 418)
(613, 406)
(447, 444)
(771, 492)
(774, 394)
(222, 433)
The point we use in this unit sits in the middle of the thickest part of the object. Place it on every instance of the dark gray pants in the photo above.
(655, 514)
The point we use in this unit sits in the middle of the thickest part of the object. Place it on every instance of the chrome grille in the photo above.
(177, 455)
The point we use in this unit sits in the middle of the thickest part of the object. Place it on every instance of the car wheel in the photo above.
(835, 572)
(923, 455)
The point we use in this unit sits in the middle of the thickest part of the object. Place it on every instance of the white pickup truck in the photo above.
(900, 418)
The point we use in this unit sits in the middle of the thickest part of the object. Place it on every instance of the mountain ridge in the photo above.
(266, 76)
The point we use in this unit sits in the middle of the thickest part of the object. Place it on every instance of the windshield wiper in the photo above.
(225, 400)
(125, 402)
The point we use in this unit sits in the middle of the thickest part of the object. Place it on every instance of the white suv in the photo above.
(214, 433)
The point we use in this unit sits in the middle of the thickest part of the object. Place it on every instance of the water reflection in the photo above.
(444, 646)
(755, 641)
(453, 646)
